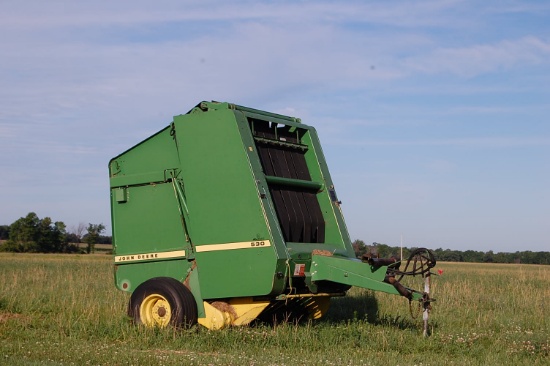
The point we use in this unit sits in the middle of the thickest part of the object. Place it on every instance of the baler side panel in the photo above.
(225, 213)
(128, 276)
(145, 215)
(149, 221)
(149, 157)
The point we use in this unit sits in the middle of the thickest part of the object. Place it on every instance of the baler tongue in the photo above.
(379, 274)
(376, 275)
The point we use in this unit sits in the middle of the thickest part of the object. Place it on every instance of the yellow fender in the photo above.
(238, 311)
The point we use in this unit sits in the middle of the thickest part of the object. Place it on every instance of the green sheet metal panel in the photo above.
(148, 221)
(353, 272)
(129, 275)
(145, 214)
(145, 162)
(225, 208)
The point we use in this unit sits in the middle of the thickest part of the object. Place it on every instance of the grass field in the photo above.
(65, 310)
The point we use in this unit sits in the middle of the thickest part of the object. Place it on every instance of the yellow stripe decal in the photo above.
(231, 246)
(149, 256)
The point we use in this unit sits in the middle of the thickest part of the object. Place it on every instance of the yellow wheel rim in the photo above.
(155, 311)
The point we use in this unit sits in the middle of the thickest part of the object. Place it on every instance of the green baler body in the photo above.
(237, 202)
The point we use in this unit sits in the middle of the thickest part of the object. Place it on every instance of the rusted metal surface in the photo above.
(378, 262)
(403, 291)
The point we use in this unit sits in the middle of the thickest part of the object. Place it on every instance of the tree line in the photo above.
(448, 255)
(33, 234)
(36, 235)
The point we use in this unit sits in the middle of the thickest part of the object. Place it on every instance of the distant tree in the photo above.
(105, 239)
(32, 234)
(489, 257)
(72, 238)
(407, 252)
(76, 233)
(472, 256)
(92, 237)
(503, 258)
(448, 255)
(359, 248)
(4, 232)
(543, 257)
(385, 251)
(53, 236)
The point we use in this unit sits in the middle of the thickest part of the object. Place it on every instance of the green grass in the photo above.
(65, 310)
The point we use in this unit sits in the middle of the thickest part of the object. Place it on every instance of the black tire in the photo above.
(161, 302)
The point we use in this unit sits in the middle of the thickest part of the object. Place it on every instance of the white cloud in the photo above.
(479, 59)
(61, 14)
(483, 142)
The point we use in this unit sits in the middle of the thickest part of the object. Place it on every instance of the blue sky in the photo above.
(433, 115)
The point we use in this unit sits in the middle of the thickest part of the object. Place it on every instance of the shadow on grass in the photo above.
(344, 310)
(365, 308)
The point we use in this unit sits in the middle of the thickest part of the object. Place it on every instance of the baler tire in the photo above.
(161, 302)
